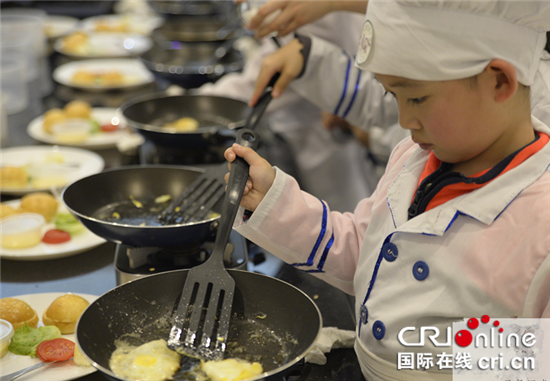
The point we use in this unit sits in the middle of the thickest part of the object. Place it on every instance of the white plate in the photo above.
(109, 45)
(98, 141)
(57, 26)
(64, 371)
(134, 73)
(79, 163)
(79, 243)
(133, 23)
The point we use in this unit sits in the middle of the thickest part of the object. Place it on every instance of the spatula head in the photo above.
(198, 199)
(201, 321)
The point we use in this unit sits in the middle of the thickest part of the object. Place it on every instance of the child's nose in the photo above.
(408, 121)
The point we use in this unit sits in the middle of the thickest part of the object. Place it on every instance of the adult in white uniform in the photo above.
(336, 171)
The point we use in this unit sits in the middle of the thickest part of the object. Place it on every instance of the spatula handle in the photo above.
(234, 192)
(259, 108)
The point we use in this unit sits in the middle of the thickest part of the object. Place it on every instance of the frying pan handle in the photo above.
(260, 107)
(235, 187)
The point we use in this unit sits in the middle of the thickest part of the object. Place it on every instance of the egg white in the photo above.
(152, 361)
(231, 370)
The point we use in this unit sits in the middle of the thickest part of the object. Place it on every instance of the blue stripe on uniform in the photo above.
(319, 239)
(324, 256)
(354, 94)
(345, 88)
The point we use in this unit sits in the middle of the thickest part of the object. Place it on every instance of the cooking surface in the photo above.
(93, 272)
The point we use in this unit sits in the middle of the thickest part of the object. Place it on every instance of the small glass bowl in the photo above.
(72, 130)
(20, 231)
(6, 333)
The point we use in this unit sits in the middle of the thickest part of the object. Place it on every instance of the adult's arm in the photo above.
(293, 14)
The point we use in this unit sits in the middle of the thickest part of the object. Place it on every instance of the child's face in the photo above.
(450, 118)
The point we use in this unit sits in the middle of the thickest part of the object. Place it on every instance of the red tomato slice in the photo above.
(109, 127)
(55, 236)
(55, 350)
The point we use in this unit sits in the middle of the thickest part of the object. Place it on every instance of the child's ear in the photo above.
(504, 79)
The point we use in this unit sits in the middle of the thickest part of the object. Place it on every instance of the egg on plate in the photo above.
(152, 361)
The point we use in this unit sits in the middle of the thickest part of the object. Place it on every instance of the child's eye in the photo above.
(417, 101)
(389, 92)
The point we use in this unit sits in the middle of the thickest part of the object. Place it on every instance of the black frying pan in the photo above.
(285, 319)
(95, 198)
(189, 64)
(148, 114)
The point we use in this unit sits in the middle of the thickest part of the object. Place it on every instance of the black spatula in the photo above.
(201, 320)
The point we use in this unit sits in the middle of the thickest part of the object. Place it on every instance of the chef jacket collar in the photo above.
(484, 205)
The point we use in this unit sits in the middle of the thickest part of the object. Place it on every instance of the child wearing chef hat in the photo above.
(458, 227)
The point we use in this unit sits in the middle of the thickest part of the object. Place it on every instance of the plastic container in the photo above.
(6, 333)
(72, 130)
(13, 85)
(23, 35)
(21, 230)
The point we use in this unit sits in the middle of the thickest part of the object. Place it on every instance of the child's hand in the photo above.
(261, 175)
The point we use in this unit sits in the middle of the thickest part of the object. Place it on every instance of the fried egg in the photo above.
(231, 370)
(152, 361)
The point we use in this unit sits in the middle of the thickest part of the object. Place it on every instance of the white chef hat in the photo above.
(434, 40)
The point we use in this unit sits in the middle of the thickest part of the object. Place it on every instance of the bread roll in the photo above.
(75, 42)
(112, 78)
(84, 78)
(6, 210)
(41, 203)
(13, 177)
(64, 312)
(18, 312)
(51, 117)
(78, 109)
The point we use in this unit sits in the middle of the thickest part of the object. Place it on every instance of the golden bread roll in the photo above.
(102, 26)
(18, 312)
(82, 77)
(78, 109)
(75, 42)
(51, 117)
(6, 210)
(111, 78)
(64, 312)
(13, 177)
(39, 202)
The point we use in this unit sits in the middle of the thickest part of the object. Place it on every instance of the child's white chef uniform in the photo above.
(484, 252)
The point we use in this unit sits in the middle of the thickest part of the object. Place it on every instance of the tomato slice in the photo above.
(55, 236)
(55, 350)
(109, 127)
